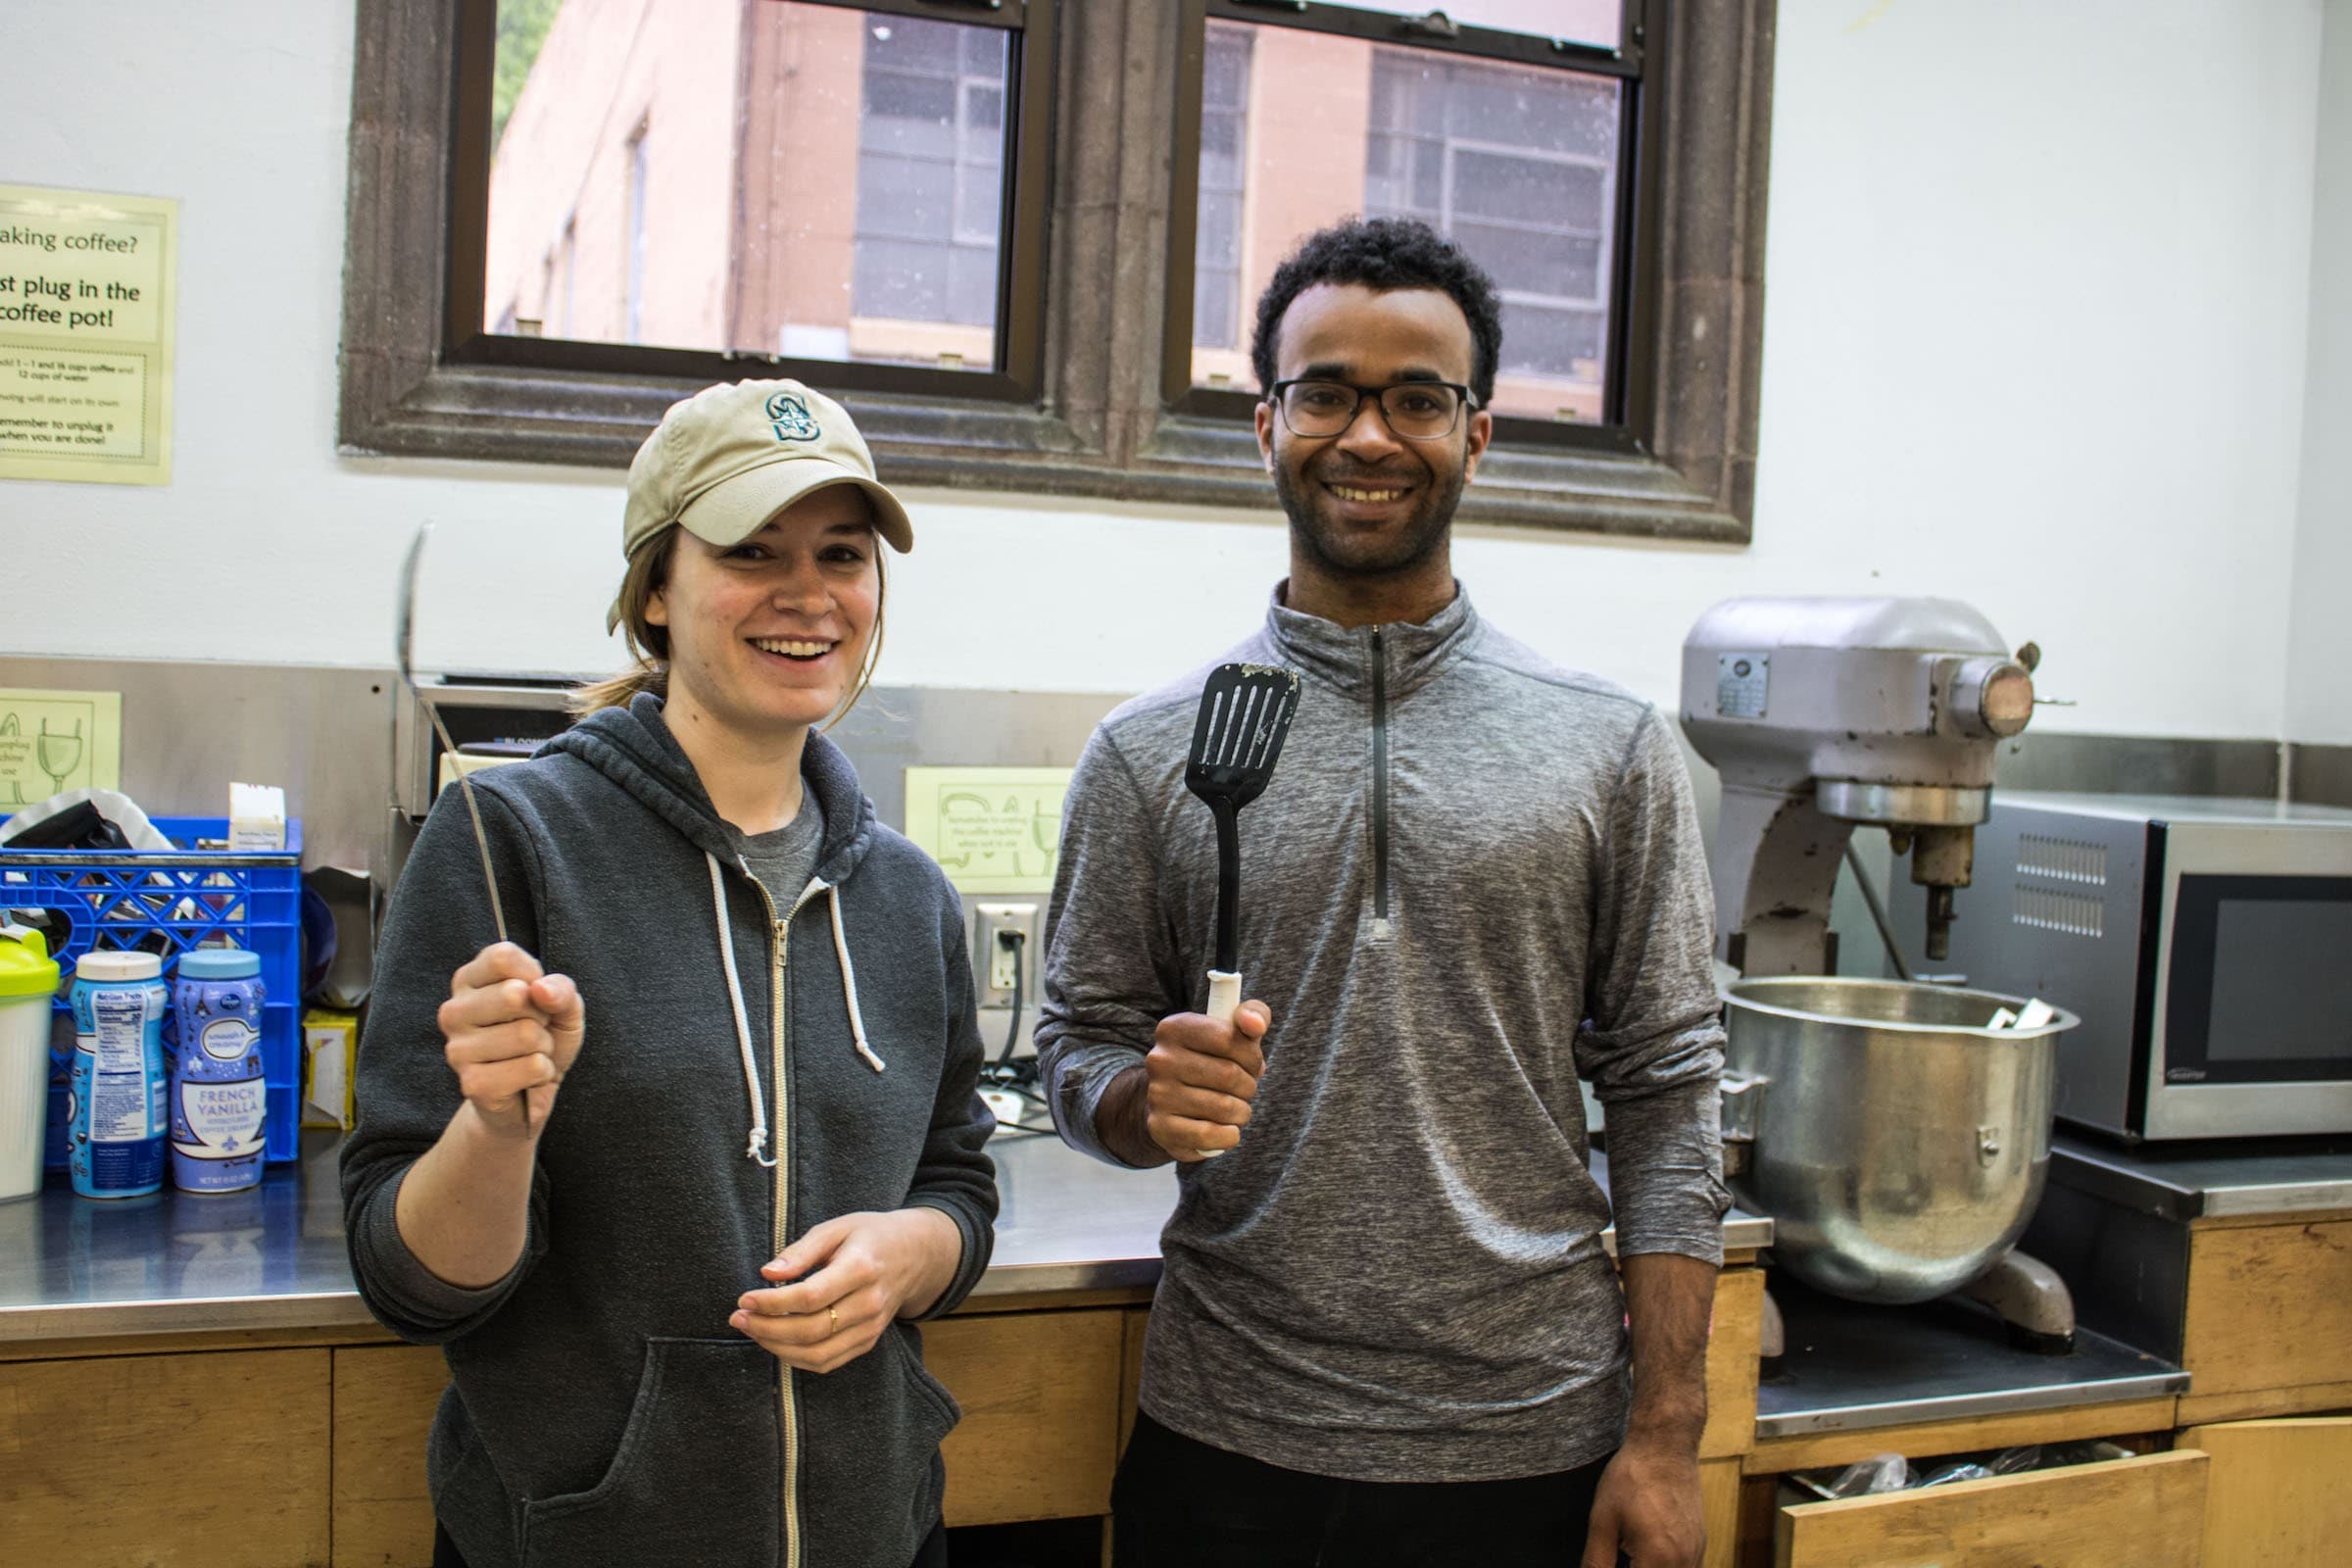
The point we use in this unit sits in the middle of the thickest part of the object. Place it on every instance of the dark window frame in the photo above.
(1097, 421)
(1020, 304)
(1632, 362)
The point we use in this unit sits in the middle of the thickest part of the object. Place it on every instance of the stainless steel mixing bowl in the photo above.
(1900, 1145)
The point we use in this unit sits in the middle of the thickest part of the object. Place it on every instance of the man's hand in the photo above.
(1200, 1077)
(868, 1269)
(512, 1030)
(1647, 1506)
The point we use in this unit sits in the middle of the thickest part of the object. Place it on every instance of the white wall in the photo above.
(2319, 697)
(2035, 338)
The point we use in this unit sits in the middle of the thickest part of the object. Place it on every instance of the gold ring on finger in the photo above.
(832, 1321)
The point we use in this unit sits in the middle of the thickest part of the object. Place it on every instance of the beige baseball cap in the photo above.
(727, 459)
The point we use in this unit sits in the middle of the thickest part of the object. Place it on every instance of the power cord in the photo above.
(1005, 1075)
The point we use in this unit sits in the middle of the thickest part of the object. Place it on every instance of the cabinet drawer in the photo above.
(2147, 1511)
(196, 1461)
(2270, 1306)
(1040, 1394)
(2275, 1497)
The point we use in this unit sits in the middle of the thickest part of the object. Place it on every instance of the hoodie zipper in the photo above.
(779, 950)
(1379, 788)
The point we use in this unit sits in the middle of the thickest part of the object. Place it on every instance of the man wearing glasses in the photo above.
(1386, 1330)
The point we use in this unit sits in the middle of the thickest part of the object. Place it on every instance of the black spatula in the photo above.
(1244, 714)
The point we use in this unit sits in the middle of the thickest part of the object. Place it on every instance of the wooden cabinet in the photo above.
(2268, 1323)
(314, 1453)
(2147, 1513)
(168, 1461)
(1041, 1396)
(1732, 1365)
(384, 1399)
(1719, 1502)
(2276, 1496)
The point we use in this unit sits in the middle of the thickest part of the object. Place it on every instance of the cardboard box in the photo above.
(331, 1050)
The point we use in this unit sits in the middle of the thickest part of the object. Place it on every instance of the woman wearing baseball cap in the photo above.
(672, 1174)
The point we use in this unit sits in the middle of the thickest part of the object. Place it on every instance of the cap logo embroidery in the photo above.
(792, 419)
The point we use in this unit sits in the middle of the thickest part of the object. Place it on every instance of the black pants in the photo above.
(1180, 1503)
(932, 1553)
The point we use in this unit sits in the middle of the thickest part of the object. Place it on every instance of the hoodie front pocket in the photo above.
(905, 1343)
(696, 1478)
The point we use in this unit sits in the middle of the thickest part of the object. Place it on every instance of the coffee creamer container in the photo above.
(219, 1103)
(116, 1144)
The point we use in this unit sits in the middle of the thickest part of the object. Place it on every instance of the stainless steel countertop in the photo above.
(1851, 1367)
(272, 1257)
(2252, 1177)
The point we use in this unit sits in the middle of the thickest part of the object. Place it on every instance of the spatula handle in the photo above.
(1224, 994)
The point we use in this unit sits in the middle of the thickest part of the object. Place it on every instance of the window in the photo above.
(930, 194)
(1024, 238)
(754, 243)
(1518, 162)
(1219, 349)
(1519, 166)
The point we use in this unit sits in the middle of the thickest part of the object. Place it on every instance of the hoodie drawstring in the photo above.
(849, 980)
(757, 1148)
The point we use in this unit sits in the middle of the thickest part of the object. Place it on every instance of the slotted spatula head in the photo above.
(1245, 715)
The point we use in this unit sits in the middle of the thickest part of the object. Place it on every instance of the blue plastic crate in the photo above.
(125, 897)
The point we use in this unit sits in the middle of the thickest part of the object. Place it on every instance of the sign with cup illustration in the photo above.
(990, 829)
(54, 741)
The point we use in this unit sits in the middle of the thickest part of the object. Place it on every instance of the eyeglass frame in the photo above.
(1273, 397)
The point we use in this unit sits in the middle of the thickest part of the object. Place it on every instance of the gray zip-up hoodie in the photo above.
(1474, 877)
(758, 1061)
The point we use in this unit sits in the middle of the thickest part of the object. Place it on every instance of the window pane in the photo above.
(895, 278)
(683, 185)
(1600, 21)
(1224, 172)
(920, 194)
(1516, 163)
(903, 43)
(1549, 343)
(1520, 189)
(979, 190)
(984, 112)
(1531, 262)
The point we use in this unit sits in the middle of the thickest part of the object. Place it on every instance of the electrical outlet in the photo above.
(997, 926)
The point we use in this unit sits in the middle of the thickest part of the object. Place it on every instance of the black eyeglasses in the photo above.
(1417, 411)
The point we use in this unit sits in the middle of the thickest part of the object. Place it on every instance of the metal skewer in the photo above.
(405, 626)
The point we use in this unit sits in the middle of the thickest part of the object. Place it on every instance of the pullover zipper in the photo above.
(779, 947)
(1379, 788)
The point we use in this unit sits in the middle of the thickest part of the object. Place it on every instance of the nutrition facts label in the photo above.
(125, 1100)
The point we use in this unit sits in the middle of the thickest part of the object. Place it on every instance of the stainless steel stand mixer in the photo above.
(1896, 1131)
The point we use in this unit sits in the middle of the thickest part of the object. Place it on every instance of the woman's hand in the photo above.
(513, 1030)
(851, 1277)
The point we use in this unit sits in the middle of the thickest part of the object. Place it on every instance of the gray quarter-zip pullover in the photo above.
(1474, 877)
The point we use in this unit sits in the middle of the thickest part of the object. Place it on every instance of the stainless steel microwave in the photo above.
(2205, 944)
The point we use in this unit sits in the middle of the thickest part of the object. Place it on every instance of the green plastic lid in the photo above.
(26, 968)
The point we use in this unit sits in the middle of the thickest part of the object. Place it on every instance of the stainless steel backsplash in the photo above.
(326, 734)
